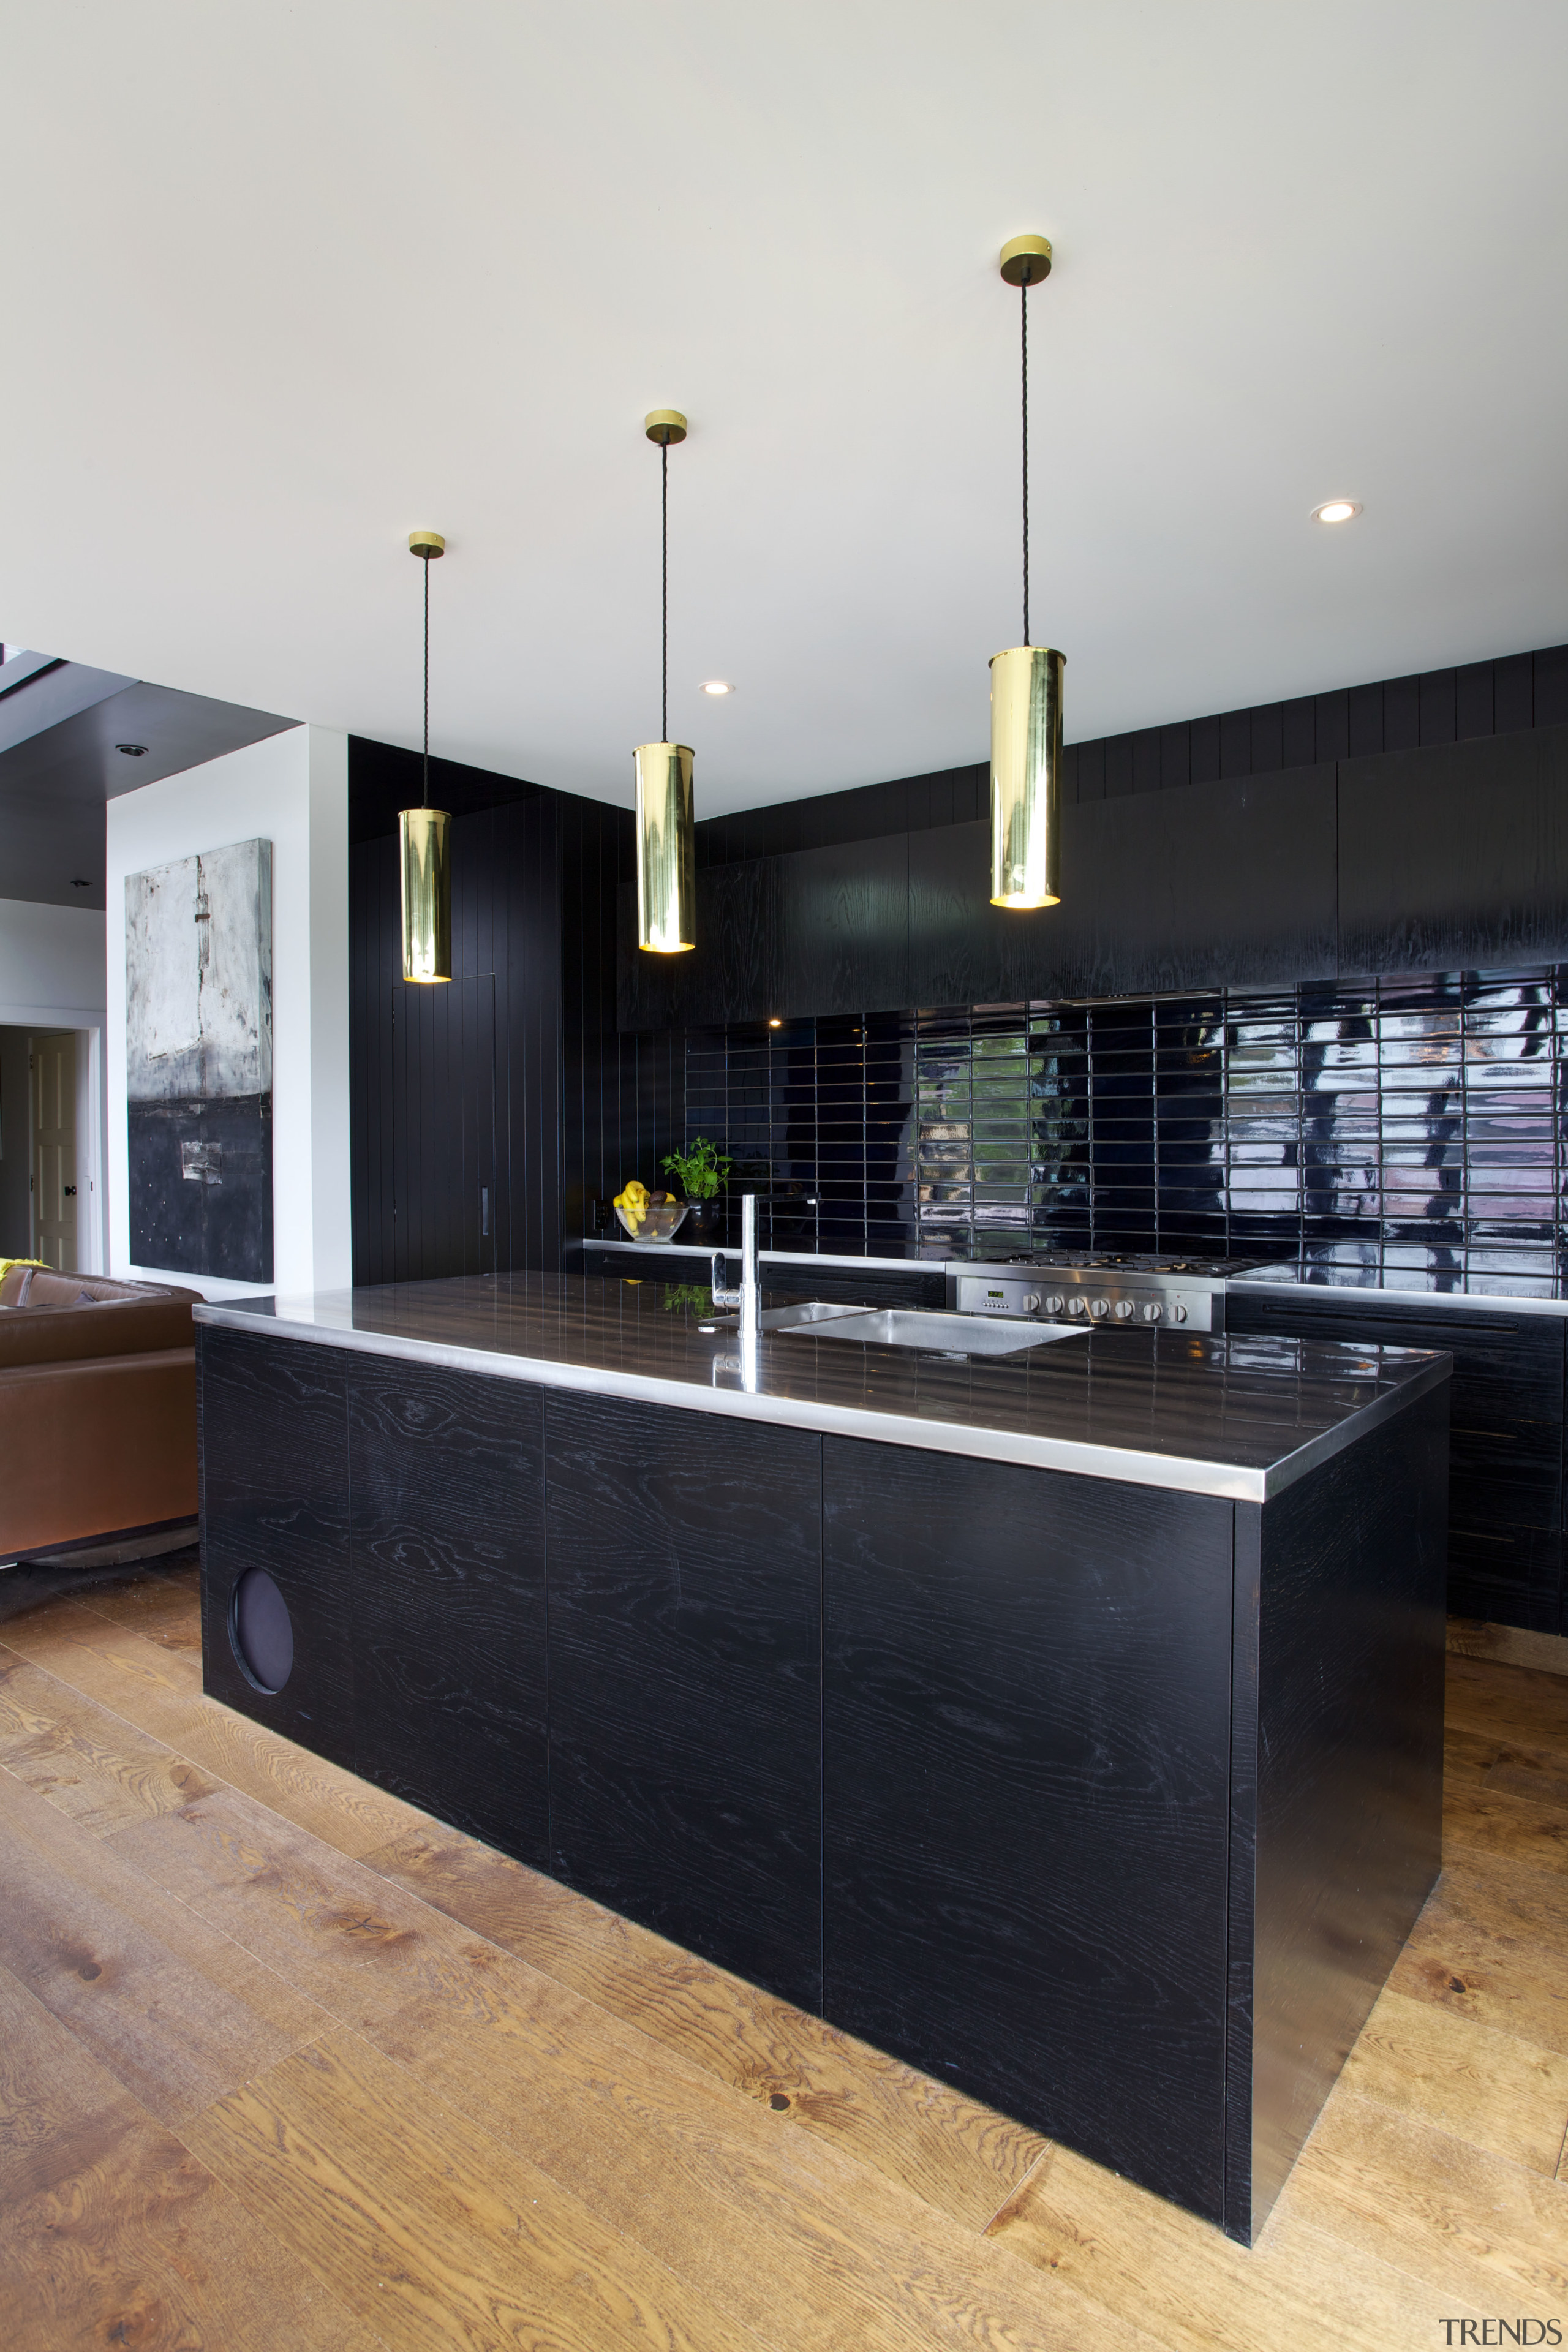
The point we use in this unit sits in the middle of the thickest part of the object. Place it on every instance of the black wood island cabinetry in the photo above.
(399, 1508)
(446, 1533)
(685, 1646)
(1027, 1760)
(1068, 1724)
(273, 1425)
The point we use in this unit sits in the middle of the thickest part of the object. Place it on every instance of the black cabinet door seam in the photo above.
(547, 1401)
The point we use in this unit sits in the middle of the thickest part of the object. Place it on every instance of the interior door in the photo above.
(53, 1147)
(445, 1205)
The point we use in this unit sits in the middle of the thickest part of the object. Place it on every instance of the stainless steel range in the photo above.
(1100, 1287)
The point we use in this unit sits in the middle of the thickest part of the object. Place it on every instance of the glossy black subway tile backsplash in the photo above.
(1409, 1130)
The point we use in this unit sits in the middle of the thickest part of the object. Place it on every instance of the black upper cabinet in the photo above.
(1226, 883)
(820, 930)
(1456, 856)
(843, 928)
(447, 1474)
(732, 973)
(1218, 885)
(1446, 857)
(738, 914)
(963, 949)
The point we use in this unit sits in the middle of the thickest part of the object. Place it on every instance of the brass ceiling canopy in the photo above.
(1026, 260)
(1026, 690)
(665, 425)
(425, 835)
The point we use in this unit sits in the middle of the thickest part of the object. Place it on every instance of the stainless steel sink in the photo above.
(928, 1329)
(785, 1318)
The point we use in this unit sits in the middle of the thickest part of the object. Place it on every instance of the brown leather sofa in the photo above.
(98, 1408)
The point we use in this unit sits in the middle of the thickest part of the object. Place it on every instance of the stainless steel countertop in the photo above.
(1242, 1417)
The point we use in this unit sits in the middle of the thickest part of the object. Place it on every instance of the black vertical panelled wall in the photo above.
(485, 1111)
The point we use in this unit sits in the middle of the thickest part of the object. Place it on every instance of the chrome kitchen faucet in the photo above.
(747, 1298)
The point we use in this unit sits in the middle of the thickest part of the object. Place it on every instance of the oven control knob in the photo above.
(1030, 1303)
(1054, 1304)
(1178, 1312)
(1152, 1312)
(1123, 1310)
(1100, 1308)
(1076, 1306)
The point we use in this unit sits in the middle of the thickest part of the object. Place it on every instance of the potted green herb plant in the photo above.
(702, 1171)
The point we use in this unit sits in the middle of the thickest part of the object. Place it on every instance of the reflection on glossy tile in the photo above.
(1413, 1127)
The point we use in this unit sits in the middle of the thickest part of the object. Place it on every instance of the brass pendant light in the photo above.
(1026, 694)
(425, 835)
(666, 842)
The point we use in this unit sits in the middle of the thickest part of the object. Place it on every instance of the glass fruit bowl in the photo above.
(655, 1224)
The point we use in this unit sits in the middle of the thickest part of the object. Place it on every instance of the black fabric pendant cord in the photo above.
(425, 801)
(664, 518)
(1024, 341)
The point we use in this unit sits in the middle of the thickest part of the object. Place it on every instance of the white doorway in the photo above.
(15, 1142)
(78, 1133)
(54, 1157)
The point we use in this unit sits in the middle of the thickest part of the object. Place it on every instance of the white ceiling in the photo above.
(282, 282)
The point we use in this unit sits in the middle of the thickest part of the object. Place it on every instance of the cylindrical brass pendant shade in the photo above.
(426, 838)
(666, 849)
(1025, 776)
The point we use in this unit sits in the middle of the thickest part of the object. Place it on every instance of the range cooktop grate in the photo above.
(1130, 1263)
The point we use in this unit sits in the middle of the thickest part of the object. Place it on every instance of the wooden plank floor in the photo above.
(285, 2063)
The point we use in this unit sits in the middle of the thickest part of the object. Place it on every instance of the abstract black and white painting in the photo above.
(198, 1040)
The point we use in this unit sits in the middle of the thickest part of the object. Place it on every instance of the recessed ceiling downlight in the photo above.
(717, 685)
(132, 750)
(1336, 511)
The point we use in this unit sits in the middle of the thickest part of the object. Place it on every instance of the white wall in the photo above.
(51, 966)
(52, 977)
(291, 789)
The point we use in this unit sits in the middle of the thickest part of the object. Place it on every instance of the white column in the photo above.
(291, 790)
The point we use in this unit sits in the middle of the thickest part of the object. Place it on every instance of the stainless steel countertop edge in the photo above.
(1080, 1457)
(1355, 1426)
